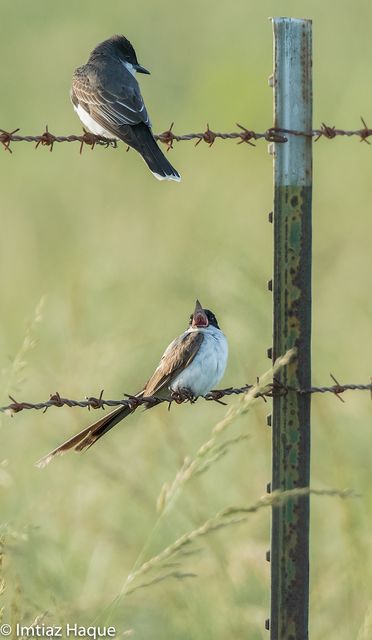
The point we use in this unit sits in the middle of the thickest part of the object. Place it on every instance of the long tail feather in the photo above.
(88, 436)
(139, 137)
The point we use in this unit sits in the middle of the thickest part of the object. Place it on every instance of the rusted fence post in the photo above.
(292, 327)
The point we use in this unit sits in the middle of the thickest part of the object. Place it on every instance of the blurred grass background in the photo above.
(120, 259)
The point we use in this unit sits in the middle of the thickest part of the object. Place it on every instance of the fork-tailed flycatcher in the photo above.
(192, 364)
(108, 101)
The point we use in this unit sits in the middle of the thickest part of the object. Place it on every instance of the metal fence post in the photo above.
(292, 326)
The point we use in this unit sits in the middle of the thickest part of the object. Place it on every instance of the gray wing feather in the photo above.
(112, 99)
(177, 356)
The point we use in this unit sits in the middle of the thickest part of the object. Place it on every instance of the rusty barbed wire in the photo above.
(276, 388)
(168, 137)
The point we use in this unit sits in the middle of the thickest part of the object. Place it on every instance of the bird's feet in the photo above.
(183, 395)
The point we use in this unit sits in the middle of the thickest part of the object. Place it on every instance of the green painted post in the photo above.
(292, 327)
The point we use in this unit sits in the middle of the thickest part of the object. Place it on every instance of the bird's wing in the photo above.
(178, 355)
(121, 104)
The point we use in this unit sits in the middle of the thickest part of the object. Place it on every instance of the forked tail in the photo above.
(88, 436)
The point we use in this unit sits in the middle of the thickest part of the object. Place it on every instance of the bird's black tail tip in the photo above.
(144, 142)
(167, 176)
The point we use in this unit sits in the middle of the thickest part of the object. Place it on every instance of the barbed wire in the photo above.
(168, 137)
(274, 389)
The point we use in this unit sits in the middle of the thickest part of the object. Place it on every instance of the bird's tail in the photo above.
(88, 436)
(143, 141)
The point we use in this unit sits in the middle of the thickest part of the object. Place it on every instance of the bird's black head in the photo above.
(120, 47)
(202, 317)
(211, 318)
(124, 49)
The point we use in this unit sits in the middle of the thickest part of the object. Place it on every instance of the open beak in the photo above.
(140, 69)
(199, 317)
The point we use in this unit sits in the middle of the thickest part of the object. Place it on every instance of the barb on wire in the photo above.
(168, 137)
(133, 402)
(48, 139)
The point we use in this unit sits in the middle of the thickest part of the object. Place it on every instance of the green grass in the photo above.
(119, 260)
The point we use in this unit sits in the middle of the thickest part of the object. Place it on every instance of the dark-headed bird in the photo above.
(191, 366)
(107, 98)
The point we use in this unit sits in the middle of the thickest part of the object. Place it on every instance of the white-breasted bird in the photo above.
(107, 98)
(191, 366)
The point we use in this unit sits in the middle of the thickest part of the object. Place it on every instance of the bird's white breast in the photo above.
(208, 366)
(91, 124)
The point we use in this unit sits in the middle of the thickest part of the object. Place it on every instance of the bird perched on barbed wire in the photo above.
(190, 367)
(107, 98)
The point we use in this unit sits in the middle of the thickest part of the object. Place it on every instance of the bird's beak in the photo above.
(140, 69)
(199, 317)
